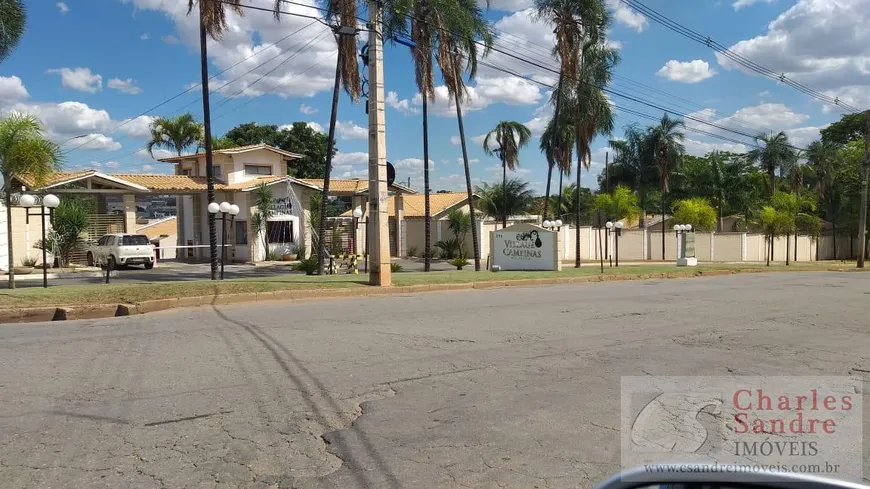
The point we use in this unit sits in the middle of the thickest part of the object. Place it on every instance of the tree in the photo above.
(300, 138)
(511, 198)
(13, 21)
(557, 144)
(506, 140)
(176, 134)
(621, 204)
(24, 151)
(212, 22)
(633, 165)
(460, 29)
(696, 211)
(71, 219)
(776, 154)
(459, 224)
(665, 142)
(574, 23)
(252, 133)
(850, 127)
(264, 199)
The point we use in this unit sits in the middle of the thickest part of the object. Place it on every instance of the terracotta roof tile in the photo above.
(236, 149)
(414, 205)
(55, 178)
(166, 182)
(337, 185)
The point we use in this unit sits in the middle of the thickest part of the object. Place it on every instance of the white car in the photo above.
(120, 250)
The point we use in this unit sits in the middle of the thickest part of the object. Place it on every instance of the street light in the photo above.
(609, 228)
(224, 208)
(357, 214)
(618, 225)
(48, 201)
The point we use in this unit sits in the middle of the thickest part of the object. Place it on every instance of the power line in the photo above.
(737, 58)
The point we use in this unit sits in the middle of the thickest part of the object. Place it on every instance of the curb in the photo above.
(98, 311)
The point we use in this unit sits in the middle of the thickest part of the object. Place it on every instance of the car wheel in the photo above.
(149, 266)
(90, 259)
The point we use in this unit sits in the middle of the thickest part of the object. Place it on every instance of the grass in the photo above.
(64, 295)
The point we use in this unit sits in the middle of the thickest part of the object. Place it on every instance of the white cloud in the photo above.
(823, 44)
(67, 118)
(479, 139)
(700, 148)
(145, 36)
(139, 128)
(170, 39)
(158, 154)
(414, 165)
(100, 142)
(624, 14)
(64, 8)
(80, 79)
(739, 4)
(443, 104)
(313, 125)
(471, 161)
(403, 105)
(507, 5)
(750, 120)
(349, 130)
(126, 86)
(147, 168)
(455, 140)
(112, 165)
(803, 136)
(307, 109)
(12, 89)
(351, 159)
(686, 71)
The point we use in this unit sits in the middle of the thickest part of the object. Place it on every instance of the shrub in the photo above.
(449, 248)
(28, 262)
(395, 267)
(71, 218)
(272, 255)
(412, 251)
(308, 265)
(459, 263)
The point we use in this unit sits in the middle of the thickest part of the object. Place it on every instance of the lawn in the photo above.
(68, 295)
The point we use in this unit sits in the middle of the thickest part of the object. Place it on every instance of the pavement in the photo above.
(509, 388)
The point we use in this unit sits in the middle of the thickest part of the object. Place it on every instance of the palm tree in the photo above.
(513, 197)
(574, 22)
(459, 30)
(212, 22)
(633, 164)
(557, 144)
(665, 141)
(176, 134)
(821, 159)
(13, 21)
(23, 151)
(506, 140)
(776, 154)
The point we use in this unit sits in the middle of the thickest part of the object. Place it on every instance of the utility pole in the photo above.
(378, 231)
(862, 214)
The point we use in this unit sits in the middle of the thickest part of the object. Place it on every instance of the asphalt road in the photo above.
(508, 388)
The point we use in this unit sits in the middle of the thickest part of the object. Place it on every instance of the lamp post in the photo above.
(608, 229)
(224, 208)
(618, 232)
(554, 226)
(357, 214)
(48, 201)
(682, 233)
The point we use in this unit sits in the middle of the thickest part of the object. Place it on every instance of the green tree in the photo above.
(460, 223)
(511, 198)
(557, 144)
(505, 141)
(24, 151)
(633, 166)
(250, 133)
(460, 30)
(666, 143)
(696, 211)
(850, 127)
(776, 153)
(300, 138)
(177, 134)
(71, 219)
(13, 21)
(621, 204)
(264, 199)
(212, 22)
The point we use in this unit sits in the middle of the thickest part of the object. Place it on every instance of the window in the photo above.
(218, 172)
(134, 240)
(241, 232)
(279, 232)
(258, 170)
(102, 241)
(187, 172)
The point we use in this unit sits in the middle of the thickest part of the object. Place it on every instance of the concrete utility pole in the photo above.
(862, 214)
(378, 221)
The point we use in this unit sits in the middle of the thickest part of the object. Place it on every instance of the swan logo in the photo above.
(531, 236)
(669, 423)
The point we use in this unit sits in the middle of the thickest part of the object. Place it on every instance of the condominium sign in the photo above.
(524, 247)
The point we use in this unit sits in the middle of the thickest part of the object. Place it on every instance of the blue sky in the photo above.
(87, 67)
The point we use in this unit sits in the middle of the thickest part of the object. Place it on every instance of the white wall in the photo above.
(261, 157)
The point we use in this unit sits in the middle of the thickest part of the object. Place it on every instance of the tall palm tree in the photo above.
(212, 22)
(776, 154)
(176, 134)
(13, 21)
(574, 22)
(557, 144)
(633, 164)
(459, 30)
(821, 158)
(513, 197)
(666, 143)
(506, 140)
(23, 151)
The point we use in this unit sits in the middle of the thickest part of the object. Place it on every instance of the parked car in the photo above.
(120, 250)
